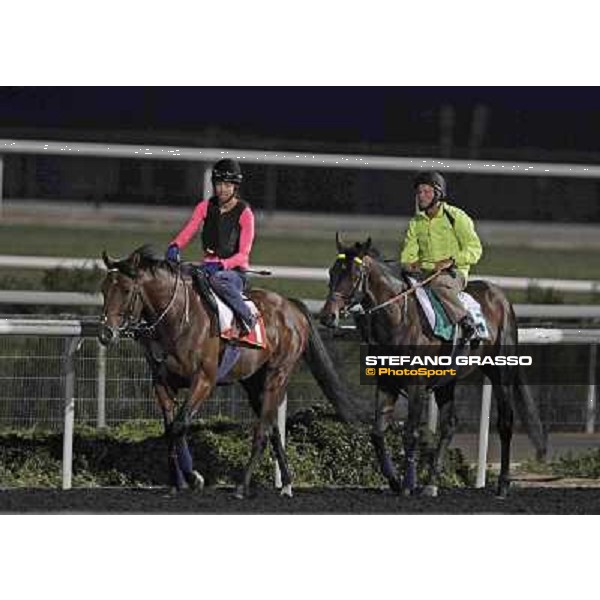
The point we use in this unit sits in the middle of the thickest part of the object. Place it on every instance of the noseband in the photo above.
(140, 327)
(353, 300)
(359, 289)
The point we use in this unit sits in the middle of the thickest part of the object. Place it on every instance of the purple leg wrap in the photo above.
(389, 470)
(184, 457)
(176, 477)
(410, 480)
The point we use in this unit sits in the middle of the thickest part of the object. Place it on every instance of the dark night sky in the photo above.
(537, 117)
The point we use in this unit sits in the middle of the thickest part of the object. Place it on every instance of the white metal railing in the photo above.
(523, 311)
(306, 273)
(75, 330)
(50, 298)
(299, 159)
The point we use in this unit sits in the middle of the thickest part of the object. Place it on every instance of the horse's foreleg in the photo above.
(178, 430)
(416, 397)
(176, 477)
(166, 403)
(180, 463)
(194, 480)
(383, 417)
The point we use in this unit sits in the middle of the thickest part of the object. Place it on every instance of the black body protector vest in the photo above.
(221, 231)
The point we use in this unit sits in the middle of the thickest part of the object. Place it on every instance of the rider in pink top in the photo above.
(240, 259)
(227, 225)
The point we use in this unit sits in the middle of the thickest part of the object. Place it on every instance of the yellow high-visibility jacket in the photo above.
(450, 234)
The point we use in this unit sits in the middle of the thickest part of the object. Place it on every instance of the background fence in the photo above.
(53, 170)
(297, 180)
(112, 386)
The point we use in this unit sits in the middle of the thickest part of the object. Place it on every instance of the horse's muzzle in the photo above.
(107, 335)
(329, 319)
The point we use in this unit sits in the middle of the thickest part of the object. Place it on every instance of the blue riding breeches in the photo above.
(229, 285)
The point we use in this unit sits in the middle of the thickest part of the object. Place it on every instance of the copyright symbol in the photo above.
(370, 371)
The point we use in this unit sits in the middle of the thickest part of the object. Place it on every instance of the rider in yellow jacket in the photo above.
(442, 236)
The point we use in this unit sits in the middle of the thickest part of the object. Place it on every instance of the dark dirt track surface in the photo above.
(544, 500)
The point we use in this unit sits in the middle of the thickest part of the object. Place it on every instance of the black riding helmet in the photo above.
(227, 170)
(435, 180)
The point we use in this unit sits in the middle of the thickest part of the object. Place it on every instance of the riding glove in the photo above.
(173, 254)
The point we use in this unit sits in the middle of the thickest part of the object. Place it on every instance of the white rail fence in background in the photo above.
(300, 158)
(74, 331)
(306, 273)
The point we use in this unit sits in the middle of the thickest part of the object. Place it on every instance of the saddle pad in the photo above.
(434, 313)
(438, 320)
(229, 330)
(474, 309)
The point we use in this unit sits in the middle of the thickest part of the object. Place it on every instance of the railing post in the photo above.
(281, 417)
(101, 386)
(207, 185)
(432, 412)
(484, 433)
(590, 421)
(71, 346)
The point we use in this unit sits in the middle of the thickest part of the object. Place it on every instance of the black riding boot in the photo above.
(246, 327)
(468, 328)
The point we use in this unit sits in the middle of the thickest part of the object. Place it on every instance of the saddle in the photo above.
(225, 320)
(228, 327)
(438, 320)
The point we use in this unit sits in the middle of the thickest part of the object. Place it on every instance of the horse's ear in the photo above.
(135, 260)
(110, 263)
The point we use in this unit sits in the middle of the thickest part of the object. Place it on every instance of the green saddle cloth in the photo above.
(444, 327)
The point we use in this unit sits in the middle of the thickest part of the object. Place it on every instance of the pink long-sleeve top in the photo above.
(239, 260)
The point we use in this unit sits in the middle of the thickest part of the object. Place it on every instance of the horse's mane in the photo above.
(149, 258)
(391, 268)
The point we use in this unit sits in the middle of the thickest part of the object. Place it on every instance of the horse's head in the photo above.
(122, 297)
(347, 281)
(124, 291)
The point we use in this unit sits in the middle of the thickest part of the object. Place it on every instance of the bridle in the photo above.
(354, 299)
(139, 327)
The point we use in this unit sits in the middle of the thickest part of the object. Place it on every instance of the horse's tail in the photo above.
(321, 366)
(530, 417)
(524, 403)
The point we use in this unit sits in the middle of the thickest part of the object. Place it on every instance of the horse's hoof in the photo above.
(406, 492)
(196, 482)
(396, 486)
(286, 491)
(171, 493)
(502, 491)
(430, 491)
(239, 492)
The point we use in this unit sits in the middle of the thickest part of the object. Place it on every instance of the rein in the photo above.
(361, 286)
(142, 328)
(404, 294)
